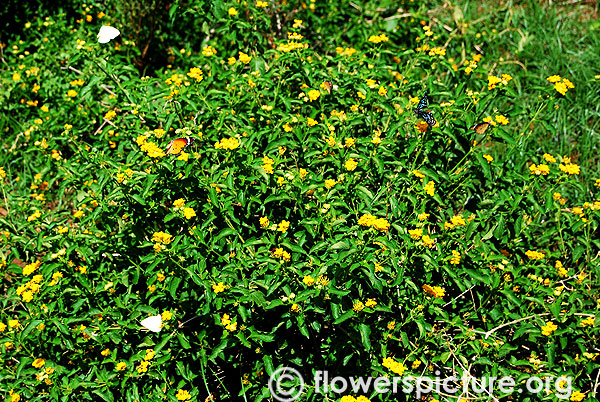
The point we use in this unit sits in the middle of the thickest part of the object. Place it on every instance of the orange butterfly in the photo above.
(481, 127)
(177, 145)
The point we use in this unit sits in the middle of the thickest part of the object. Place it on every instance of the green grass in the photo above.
(264, 245)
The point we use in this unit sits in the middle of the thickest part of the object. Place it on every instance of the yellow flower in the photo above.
(455, 260)
(351, 164)
(554, 78)
(588, 321)
(313, 94)
(489, 158)
(195, 73)
(311, 122)
(218, 288)
(534, 255)
(111, 114)
(121, 366)
(30, 268)
(162, 238)
(262, 4)
(430, 188)
(358, 306)
(227, 143)
(330, 183)
(189, 213)
(208, 51)
(183, 395)
(549, 158)
(370, 303)
(415, 234)
(232, 11)
(38, 363)
(179, 203)
(264, 222)
(540, 169)
(501, 119)
(13, 396)
(548, 328)
(577, 396)
(244, 58)
(435, 291)
(428, 241)
(295, 308)
(381, 224)
(16, 77)
(308, 280)
(569, 168)
(382, 91)
(393, 366)
(283, 226)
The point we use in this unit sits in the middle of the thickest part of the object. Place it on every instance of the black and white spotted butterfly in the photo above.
(425, 114)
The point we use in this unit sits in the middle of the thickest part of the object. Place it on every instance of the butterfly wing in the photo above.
(177, 145)
(480, 128)
(428, 117)
(328, 86)
(423, 103)
(153, 323)
(107, 33)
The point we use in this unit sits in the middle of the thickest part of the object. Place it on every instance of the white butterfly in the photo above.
(153, 323)
(107, 33)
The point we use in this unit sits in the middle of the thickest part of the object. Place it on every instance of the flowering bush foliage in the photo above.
(314, 221)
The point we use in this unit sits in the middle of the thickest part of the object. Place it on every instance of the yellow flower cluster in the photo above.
(378, 38)
(370, 220)
(430, 188)
(562, 85)
(32, 287)
(281, 254)
(350, 398)
(415, 234)
(227, 143)
(351, 164)
(434, 291)
(308, 280)
(471, 64)
(493, 81)
(437, 51)
(428, 241)
(218, 287)
(455, 260)
(161, 239)
(183, 395)
(534, 255)
(226, 322)
(588, 321)
(541, 169)
(150, 148)
(548, 328)
(244, 57)
(394, 366)
(30, 268)
(268, 165)
(196, 73)
(313, 95)
(358, 306)
(345, 51)
(290, 46)
(570, 168)
(209, 51)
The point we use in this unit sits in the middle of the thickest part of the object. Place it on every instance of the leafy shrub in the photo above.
(315, 221)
